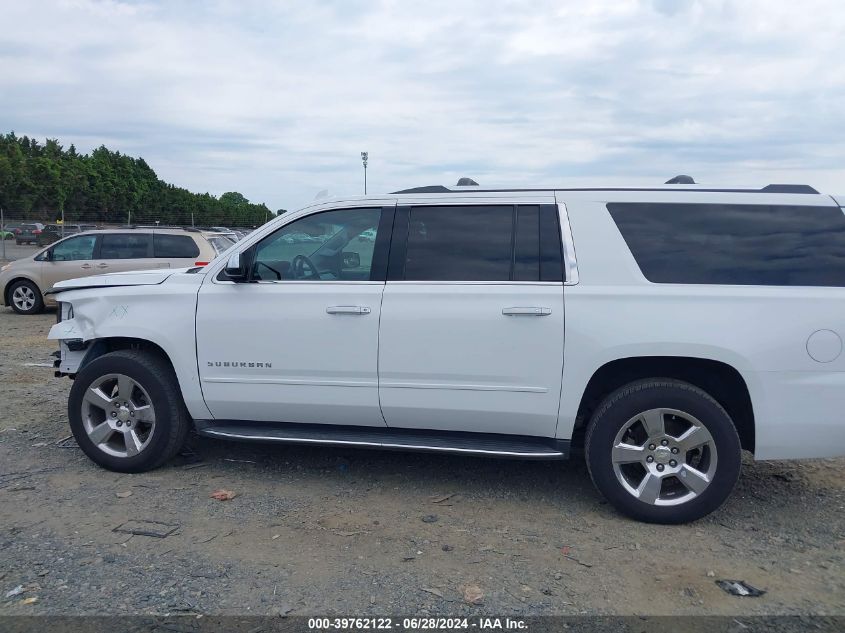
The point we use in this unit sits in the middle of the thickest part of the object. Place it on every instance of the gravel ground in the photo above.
(316, 531)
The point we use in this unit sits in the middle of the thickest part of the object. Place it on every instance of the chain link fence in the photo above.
(21, 233)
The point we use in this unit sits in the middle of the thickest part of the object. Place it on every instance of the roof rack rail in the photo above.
(778, 188)
(773, 188)
(155, 226)
(426, 189)
(681, 179)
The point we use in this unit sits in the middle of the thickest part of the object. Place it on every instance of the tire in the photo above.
(18, 242)
(690, 482)
(155, 384)
(25, 298)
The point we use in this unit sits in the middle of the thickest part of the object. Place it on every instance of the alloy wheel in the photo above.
(118, 415)
(23, 297)
(664, 457)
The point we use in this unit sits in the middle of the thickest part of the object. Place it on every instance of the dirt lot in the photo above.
(313, 531)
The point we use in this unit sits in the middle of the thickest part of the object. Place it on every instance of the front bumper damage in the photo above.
(72, 346)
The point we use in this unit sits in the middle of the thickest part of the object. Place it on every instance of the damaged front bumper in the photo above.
(72, 347)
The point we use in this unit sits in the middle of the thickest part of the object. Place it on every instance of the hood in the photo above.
(129, 278)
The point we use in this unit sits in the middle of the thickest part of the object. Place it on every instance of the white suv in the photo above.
(660, 331)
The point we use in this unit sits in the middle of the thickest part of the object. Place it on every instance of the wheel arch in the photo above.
(114, 343)
(8, 287)
(721, 380)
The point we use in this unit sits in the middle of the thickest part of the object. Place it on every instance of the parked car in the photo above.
(54, 232)
(25, 281)
(659, 331)
(28, 233)
(299, 238)
(222, 230)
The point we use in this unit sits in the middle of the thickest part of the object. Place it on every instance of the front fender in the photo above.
(163, 315)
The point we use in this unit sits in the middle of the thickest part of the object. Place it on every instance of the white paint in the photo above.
(824, 346)
(444, 356)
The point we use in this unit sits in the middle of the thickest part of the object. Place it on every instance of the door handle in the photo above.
(348, 310)
(102, 265)
(86, 266)
(531, 311)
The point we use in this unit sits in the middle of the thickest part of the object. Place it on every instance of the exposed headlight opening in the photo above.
(64, 311)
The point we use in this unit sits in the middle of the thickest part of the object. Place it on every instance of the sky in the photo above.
(277, 99)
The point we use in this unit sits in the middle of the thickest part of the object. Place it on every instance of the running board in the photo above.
(484, 444)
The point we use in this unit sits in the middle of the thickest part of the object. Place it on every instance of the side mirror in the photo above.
(351, 260)
(235, 269)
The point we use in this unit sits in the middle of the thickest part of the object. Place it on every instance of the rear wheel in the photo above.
(126, 411)
(25, 298)
(663, 451)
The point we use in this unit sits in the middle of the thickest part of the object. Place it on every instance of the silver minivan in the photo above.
(25, 281)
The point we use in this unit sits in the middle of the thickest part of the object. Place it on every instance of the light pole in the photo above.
(364, 157)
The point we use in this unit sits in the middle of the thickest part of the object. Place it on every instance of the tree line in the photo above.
(38, 180)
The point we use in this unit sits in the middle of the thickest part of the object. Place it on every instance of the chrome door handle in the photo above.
(86, 266)
(102, 265)
(348, 310)
(531, 311)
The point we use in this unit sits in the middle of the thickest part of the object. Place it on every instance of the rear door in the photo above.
(121, 252)
(471, 335)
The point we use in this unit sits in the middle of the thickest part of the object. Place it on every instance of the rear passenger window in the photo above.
(124, 246)
(769, 245)
(174, 246)
(483, 243)
(459, 244)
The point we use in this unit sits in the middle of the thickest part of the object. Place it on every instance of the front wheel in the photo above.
(25, 298)
(126, 411)
(663, 451)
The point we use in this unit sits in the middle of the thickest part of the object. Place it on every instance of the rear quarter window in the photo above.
(747, 244)
(175, 246)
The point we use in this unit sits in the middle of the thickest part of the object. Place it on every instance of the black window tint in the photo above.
(526, 257)
(774, 245)
(551, 252)
(124, 246)
(459, 244)
(175, 246)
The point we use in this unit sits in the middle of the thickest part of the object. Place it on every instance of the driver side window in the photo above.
(74, 249)
(328, 246)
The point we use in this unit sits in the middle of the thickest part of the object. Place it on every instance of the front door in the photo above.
(472, 320)
(299, 341)
(69, 259)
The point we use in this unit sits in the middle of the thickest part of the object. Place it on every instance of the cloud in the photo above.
(277, 100)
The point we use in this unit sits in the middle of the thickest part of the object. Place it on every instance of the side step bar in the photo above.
(484, 444)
